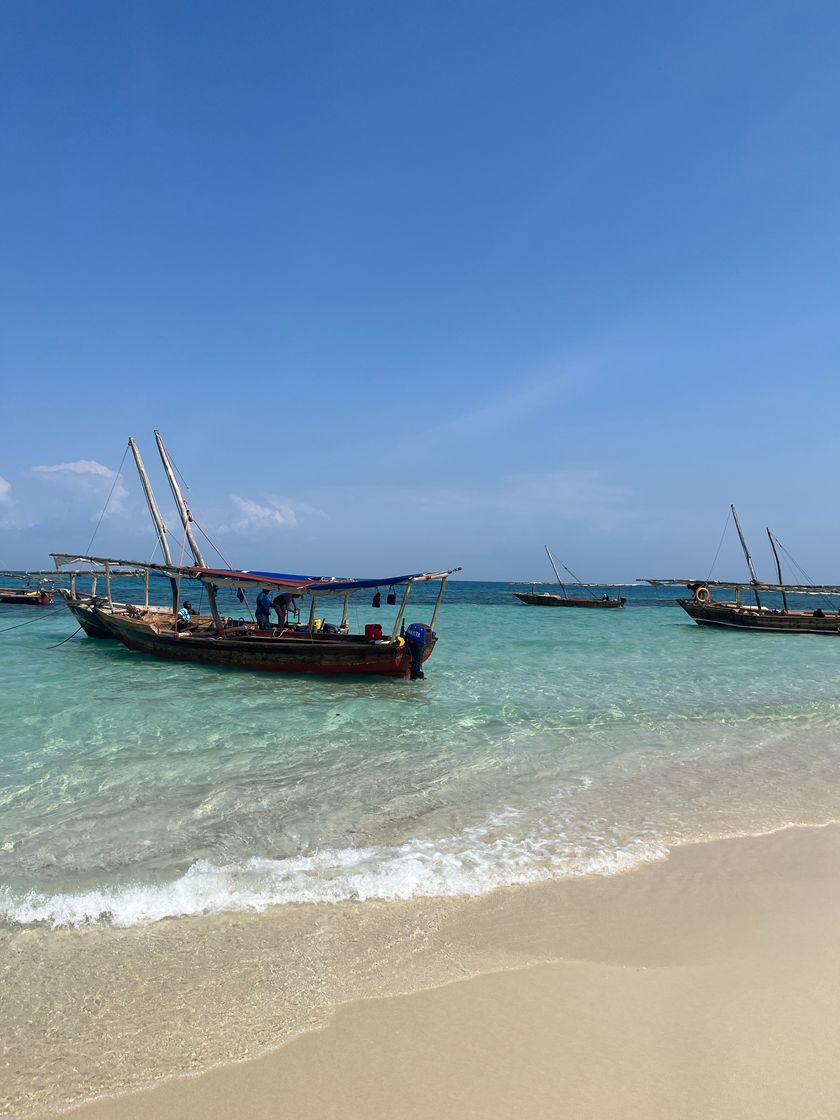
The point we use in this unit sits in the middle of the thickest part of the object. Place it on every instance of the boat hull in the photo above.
(545, 599)
(733, 616)
(262, 650)
(84, 610)
(16, 597)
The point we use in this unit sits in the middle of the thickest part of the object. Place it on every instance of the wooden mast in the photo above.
(157, 519)
(150, 499)
(183, 510)
(186, 520)
(753, 576)
(556, 573)
(778, 567)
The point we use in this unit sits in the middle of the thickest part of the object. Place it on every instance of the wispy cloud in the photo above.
(268, 513)
(11, 515)
(87, 476)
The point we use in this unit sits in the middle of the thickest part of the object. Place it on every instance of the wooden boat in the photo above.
(536, 598)
(83, 605)
(705, 610)
(305, 648)
(39, 596)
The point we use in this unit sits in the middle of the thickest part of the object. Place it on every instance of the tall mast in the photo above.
(753, 576)
(778, 566)
(557, 574)
(150, 498)
(186, 519)
(183, 510)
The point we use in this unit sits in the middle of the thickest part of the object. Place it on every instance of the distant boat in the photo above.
(39, 596)
(738, 615)
(536, 598)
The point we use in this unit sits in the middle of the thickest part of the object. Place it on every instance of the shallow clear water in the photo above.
(542, 743)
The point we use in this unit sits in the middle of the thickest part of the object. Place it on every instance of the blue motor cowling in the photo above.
(418, 632)
(418, 635)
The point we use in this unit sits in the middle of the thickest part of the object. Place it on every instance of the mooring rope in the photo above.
(17, 625)
(55, 645)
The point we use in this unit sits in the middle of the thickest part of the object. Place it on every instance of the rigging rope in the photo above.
(720, 543)
(180, 568)
(107, 500)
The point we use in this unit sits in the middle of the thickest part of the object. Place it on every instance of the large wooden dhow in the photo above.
(562, 598)
(309, 647)
(769, 611)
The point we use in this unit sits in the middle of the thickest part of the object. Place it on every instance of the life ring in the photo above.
(702, 594)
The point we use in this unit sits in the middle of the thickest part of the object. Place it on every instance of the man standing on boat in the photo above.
(263, 611)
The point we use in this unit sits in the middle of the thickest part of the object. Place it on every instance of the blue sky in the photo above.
(416, 285)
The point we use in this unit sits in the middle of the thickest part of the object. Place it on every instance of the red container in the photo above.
(373, 632)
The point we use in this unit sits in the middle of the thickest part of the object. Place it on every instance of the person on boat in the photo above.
(605, 598)
(263, 611)
(281, 605)
(184, 616)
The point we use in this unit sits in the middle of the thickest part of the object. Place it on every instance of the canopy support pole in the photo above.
(108, 584)
(345, 620)
(147, 590)
(438, 602)
(396, 628)
(312, 615)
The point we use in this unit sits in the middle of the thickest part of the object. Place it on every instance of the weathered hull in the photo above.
(732, 616)
(16, 597)
(261, 651)
(85, 615)
(536, 599)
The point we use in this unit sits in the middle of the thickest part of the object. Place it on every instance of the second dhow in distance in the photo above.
(217, 639)
(770, 611)
(536, 598)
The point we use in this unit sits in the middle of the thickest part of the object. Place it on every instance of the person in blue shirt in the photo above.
(263, 611)
(184, 616)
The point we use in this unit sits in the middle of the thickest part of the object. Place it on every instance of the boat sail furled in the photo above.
(536, 598)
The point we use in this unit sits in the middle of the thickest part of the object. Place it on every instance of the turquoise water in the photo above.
(542, 743)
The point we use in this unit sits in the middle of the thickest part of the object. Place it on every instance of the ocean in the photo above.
(542, 744)
(197, 864)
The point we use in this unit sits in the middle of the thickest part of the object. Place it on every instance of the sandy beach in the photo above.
(707, 985)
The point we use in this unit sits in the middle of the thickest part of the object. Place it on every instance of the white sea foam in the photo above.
(470, 864)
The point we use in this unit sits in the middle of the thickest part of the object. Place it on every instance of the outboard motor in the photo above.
(417, 635)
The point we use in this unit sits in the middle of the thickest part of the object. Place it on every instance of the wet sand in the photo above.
(704, 986)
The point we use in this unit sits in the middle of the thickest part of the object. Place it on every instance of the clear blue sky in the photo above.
(424, 284)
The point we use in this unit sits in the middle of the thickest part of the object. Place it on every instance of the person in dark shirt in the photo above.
(282, 604)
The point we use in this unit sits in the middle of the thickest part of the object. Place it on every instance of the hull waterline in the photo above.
(537, 599)
(733, 616)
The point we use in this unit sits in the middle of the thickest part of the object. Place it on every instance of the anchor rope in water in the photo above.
(17, 625)
(55, 645)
